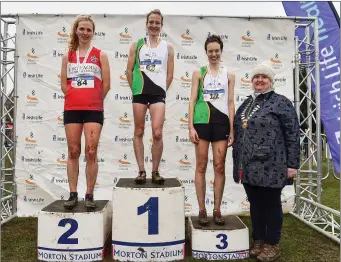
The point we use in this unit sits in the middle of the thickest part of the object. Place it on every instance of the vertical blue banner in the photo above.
(329, 56)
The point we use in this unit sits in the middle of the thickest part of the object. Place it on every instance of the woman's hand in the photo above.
(230, 139)
(193, 135)
(292, 172)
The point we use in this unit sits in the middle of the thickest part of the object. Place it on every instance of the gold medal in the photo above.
(244, 123)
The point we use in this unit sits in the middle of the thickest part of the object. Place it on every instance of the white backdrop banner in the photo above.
(41, 149)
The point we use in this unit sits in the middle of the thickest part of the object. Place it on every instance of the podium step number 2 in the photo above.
(148, 221)
(74, 235)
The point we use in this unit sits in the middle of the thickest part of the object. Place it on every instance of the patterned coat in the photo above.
(269, 144)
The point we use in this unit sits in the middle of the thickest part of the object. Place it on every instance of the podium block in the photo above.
(73, 235)
(214, 242)
(149, 221)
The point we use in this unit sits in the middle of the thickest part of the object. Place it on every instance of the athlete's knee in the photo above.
(91, 152)
(74, 151)
(139, 132)
(201, 166)
(157, 134)
(219, 168)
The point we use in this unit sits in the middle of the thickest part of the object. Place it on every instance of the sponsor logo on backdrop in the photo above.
(187, 181)
(184, 121)
(33, 35)
(186, 80)
(245, 81)
(181, 98)
(59, 139)
(124, 163)
(56, 53)
(59, 79)
(61, 161)
(100, 35)
(32, 160)
(186, 38)
(148, 159)
(240, 98)
(31, 99)
(32, 57)
(277, 39)
(62, 36)
(163, 36)
(123, 80)
(188, 206)
(125, 37)
(30, 141)
(58, 96)
(100, 160)
(34, 200)
(280, 81)
(35, 77)
(247, 39)
(184, 141)
(124, 141)
(276, 62)
(188, 59)
(247, 59)
(126, 99)
(184, 163)
(121, 56)
(125, 121)
(60, 120)
(210, 202)
(223, 37)
(32, 117)
(245, 205)
(59, 181)
(30, 183)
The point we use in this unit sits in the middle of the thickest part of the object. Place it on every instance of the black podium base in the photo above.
(57, 206)
(130, 183)
(231, 223)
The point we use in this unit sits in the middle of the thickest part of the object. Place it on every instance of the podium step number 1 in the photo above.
(148, 221)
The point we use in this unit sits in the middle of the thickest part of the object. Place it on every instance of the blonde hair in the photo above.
(73, 43)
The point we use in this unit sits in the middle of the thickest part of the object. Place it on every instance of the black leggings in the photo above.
(266, 213)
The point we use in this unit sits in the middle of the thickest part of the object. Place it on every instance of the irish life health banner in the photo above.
(329, 56)
(41, 153)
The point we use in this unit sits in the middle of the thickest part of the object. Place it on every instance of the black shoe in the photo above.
(203, 221)
(89, 202)
(141, 178)
(72, 201)
(156, 178)
(217, 217)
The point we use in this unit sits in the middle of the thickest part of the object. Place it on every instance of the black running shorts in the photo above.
(83, 116)
(213, 132)
(149, 99)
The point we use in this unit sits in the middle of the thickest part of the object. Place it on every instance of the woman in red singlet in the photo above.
(85, 81)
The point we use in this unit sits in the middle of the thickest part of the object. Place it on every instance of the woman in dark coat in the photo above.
(265, 158)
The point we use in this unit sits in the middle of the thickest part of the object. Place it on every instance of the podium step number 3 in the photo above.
(148, 221)
(75, 235)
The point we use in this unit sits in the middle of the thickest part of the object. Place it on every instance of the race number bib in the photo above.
(213, 94)
(83, 81)
(147, 65)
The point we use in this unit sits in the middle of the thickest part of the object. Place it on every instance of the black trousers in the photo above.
(266, 213)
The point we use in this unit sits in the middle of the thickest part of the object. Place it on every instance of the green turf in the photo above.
(299, 242)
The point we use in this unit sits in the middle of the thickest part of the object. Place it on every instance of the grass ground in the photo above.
(299, 242)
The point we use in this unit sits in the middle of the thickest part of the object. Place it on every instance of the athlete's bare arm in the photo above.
(131, 63)
(170, 65)
(194, 95)
(63, 73)
(231, 108)
(105, 73)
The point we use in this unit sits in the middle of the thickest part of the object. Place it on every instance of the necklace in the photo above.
(80, 68)
(214, 80)
(248, 107)
(152, 55)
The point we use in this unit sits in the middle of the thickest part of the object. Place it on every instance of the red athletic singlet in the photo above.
(84, 82)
